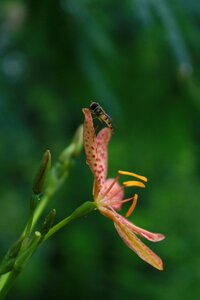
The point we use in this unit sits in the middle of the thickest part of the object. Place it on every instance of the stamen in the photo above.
(112, 184)
(133, 183)
(143, 178)
(132, 207)
(120, 201)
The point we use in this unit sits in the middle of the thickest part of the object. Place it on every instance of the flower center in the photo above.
(110, 200)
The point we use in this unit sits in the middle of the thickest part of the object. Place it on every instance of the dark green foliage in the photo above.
(140, 60)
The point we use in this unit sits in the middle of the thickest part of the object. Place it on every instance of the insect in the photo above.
(100, 114)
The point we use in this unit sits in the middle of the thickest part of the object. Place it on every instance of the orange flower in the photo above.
(108, 194)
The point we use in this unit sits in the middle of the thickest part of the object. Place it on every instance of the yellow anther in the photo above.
(133, 183)
(133, 175)
(132, 207)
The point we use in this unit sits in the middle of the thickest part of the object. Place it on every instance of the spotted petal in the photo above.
(96, 149)
(153, 237)
(131, 240)
(135, 244)
(102, 141)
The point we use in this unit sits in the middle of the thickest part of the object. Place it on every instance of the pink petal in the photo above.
(153, 237)
(92, 152)
(115, 217)
(115, 195)
(135, 244)
(102, 141)
(132, 241)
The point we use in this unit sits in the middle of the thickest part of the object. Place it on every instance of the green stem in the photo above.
(9, 280)
(29, 225)
(3, 279)
(58, 226)
(39, 210)
(81, 211)
(58, 174)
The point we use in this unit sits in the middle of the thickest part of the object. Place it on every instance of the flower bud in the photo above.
(9, 259)
(7, 266)
(24, 257)
(42, 173)
(48, 222)
(14, 249)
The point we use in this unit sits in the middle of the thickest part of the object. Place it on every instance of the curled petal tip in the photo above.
(160, 237)
(85, 110)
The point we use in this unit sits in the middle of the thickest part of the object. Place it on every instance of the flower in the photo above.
(108, 194)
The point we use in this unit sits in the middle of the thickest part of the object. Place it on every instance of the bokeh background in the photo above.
(140, 60)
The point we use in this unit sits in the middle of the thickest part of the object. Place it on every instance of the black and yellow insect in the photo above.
(100, 114)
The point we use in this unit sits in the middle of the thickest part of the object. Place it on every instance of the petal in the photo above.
(94, 158)
(153, 237)
(102, 141)
(132, 241)
(115, 195)
(135, 244)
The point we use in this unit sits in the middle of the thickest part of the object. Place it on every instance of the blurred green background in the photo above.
(140, 60)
